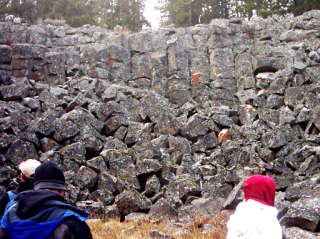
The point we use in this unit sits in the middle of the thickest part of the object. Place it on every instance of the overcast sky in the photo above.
(152, 15)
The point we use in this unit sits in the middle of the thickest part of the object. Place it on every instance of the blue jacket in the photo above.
(38, 214)
(5, 200)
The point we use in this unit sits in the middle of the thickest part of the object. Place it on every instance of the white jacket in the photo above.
(254, 220)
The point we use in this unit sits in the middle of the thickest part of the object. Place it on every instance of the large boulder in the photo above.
(304, 213)
(21, 150)
(132, 201)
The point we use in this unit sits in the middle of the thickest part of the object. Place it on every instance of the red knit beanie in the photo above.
(260, 188)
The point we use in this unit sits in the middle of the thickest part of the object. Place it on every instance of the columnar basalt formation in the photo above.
(167, 122)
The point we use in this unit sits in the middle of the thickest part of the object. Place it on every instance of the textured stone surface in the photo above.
(21, 150)
(304, 213)
(296, 233)
(131, 201)
(155, 234)
(167, 118)
(163, 209)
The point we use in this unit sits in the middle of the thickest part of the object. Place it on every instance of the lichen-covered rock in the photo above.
(117, 160)
(131, 201)
(45, 125)
(234, 197)
(129, 179)
(155, 234)
(106, 197)
(195, 126)
(153, 186)
(182, 187)
(14, 92)
(274, 139)
(302, 189)
(167, 123)
(200, 207)
(83, 118)
(207, 142)
(74, 151)
(137, 132)
(5, 54)
(111, 212)
(107, 182)
(91, 139)
(304, 213)
(297, 233)
(64, 130)
(148, 166)
(6, 140)
(97, 163)
(5, 175)
(95, 208)
(21, 150)
(86, 177)
(163, 209)
(176, 114)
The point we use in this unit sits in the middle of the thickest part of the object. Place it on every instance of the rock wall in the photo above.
(167, 122)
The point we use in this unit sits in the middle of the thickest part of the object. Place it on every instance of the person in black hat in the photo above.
(42, 213)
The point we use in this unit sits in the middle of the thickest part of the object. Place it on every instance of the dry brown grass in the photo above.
(114, 229)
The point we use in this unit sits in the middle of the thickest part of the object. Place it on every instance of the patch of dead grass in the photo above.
(114, 229)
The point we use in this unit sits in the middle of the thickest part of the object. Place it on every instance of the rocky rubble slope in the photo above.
(168, 122)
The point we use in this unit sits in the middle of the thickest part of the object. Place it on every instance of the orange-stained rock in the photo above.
(224, 135)
(260, 92)
(196, 78)
(250, 108)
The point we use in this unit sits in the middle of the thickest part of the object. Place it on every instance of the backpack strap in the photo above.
(11, 195)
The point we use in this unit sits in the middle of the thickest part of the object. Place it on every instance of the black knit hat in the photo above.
(49, 176)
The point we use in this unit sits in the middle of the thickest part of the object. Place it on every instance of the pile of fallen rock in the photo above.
(168, 123)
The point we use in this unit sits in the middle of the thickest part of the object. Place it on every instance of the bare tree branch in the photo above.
(2, 5)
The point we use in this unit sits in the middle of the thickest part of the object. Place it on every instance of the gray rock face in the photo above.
(162, 120)
(183, 187)
(74, 151)
(5, 54)
(194, 127)
(200, 207)
(86, 177)
(163, 209)
(13, 92)
(296, 233)
(21, 150)
(303, 213)
(131, 201)
(154, 234)
(64, 130)
(153, 185)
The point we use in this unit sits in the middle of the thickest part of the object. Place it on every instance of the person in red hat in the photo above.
(256, 216)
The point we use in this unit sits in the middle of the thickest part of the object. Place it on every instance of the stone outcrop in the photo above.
(156, 121)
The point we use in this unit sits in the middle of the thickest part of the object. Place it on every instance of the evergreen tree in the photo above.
(3, 3)
(125, 13)
(109, 13)
(215, 9)
(24, 9)
(264, 8)
(183, 13)
(129, 14)
(300, 6)
(75, 12)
